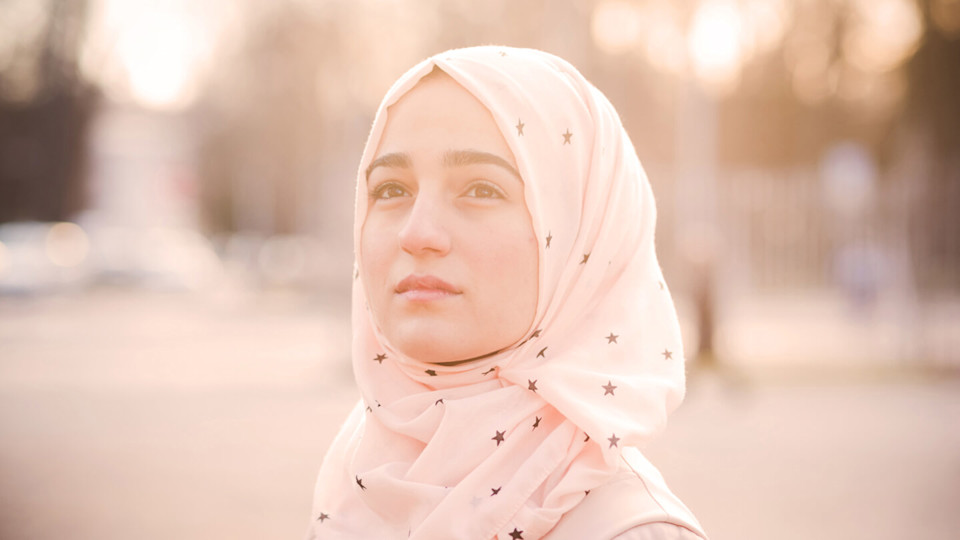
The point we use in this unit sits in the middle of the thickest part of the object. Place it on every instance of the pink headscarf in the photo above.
(504, 446)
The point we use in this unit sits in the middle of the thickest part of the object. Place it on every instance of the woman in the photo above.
(513, 338)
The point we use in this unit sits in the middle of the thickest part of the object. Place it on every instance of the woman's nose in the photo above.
(424, 231)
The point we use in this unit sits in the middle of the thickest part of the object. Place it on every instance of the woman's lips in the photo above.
(418, 288)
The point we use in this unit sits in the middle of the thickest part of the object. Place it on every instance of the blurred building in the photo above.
(804, 153)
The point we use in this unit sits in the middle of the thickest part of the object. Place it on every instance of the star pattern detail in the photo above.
(498, 437)
(536, 423)
(489, 371)
(667, 355)
(519, 127)
(532, 385)
(360, 483)
(431, 372)
(613, 440)
(566, 137)
(536, 333)
(587, 438)
(541, 353)
(609, 388)
(369, 409)
(516, 534)
(612, 338)
(586, 257)
(549, 238)
(323, 517)
(495, 491)
(439, 401)
(380, 358)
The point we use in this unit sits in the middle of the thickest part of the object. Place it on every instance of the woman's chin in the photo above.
(437, 340)
(433, 345)
(432, 352)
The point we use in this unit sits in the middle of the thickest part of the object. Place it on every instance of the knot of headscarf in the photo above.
(505, 445)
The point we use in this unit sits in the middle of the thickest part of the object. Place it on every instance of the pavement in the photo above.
(132, 414)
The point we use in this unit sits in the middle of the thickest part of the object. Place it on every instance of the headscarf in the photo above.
(502, 447)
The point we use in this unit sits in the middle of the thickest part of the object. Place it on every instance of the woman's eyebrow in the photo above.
(451, 158)
(459, 158)
(396, 159)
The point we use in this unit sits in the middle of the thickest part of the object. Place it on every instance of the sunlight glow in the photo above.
(159, 61)
(153, 53)
(714, 43)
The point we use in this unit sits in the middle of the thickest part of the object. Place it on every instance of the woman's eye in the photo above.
(484, 191)
(388, 191)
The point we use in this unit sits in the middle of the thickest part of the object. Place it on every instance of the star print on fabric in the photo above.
(536, 423)
(360, 483)
(532, 385)
(431, 372)
(498, 437)
(540, 354)
(586, 492)
(323, 517)
(612, 338)
(519, 127)
(536, 333)
(495, 491)
(587, 438)
(380, 358)
(667, 355)
(489, 371)
(566, 137)
(516, 534)
(586, 256)
(608, 388)
(613, 440)
(378, 403)
(369, 409)
(439, 401)
(549, 238)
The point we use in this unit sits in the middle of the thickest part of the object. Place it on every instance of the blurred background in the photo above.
(176, 183)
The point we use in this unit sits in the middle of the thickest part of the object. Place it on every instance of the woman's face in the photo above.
(448, 252)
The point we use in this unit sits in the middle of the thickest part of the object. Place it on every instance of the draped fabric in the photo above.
(504, 446)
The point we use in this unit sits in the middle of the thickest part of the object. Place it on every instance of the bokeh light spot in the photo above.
(66, 245)
(616, 26)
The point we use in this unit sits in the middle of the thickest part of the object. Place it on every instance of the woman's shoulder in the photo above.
(658, 531)
(635, 501)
